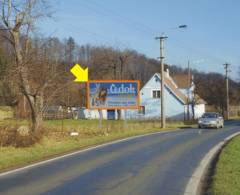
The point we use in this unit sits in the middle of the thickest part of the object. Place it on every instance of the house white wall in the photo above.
(199, 110)
(174, 108)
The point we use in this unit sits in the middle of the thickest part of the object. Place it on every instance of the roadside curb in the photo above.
(31, 165)
(195, 183)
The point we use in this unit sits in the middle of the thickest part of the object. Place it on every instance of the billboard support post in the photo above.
(125, 119)
(100, 119)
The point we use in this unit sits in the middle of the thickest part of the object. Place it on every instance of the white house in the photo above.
(178, 101)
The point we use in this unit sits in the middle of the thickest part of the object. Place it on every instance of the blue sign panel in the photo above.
(113, 94)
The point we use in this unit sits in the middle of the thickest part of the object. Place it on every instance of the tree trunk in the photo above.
(35, 101)
(36, 104)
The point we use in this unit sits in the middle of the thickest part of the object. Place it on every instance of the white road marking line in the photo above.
(194, 183)
(82, 151)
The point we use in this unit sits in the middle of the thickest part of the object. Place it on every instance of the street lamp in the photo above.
(162, 38)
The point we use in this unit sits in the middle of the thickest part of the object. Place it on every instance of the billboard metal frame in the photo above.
(116, 107)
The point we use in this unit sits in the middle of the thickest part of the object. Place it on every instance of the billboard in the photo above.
(113, 94)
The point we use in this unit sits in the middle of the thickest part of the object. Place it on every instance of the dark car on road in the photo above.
(211, 119)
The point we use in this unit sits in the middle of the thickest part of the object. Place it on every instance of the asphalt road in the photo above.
(154, 164)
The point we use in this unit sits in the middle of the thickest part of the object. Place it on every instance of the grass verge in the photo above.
(58, 141)
(226, 178)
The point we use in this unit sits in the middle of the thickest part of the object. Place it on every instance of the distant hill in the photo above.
(108, 63)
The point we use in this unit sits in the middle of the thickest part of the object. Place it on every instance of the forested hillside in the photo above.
(51, 60)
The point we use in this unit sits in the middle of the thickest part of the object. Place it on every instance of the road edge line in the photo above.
(82, 151)
(194, 184)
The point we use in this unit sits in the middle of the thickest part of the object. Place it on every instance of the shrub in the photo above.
(16, 137)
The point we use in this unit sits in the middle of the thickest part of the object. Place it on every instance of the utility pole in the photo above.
(162, 38)
(163, 119)
(226, 67)
(189, 85)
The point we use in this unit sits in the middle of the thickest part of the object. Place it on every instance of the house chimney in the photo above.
(167, 73)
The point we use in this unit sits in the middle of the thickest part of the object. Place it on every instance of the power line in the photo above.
(183, 45)
(137, 26)
(130, 21)
(103, 37)
(79, 29)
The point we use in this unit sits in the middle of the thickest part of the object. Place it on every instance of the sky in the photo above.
(210, 39)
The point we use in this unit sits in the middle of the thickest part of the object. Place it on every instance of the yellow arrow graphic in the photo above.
(80, 74)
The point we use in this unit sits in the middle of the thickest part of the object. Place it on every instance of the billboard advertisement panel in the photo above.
(113, 94)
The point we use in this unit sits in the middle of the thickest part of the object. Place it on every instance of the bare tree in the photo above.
(19, 18)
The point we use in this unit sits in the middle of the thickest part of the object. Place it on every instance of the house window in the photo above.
(156, 93)
(141, 110)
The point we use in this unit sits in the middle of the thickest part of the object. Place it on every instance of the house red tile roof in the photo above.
(177, 92)
(182, 80)
(174, 88)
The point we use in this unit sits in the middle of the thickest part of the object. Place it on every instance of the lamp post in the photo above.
(162, 38)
